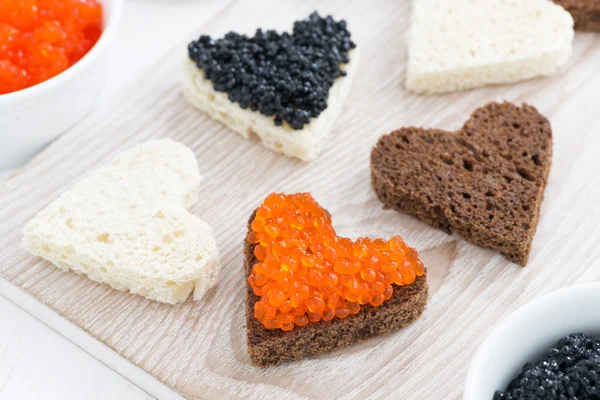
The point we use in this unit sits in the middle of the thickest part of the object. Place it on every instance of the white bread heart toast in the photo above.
(462, 44)
(128, 225)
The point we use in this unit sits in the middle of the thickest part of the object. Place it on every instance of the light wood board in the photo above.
(198, 348)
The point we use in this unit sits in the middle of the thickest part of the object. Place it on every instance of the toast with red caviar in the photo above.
(485, 181)
(268, 347)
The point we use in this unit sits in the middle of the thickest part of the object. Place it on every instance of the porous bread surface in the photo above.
(586, 13)
(462, 44)
(305, 144)
(485, 181)
(271, 347)
(127, 225)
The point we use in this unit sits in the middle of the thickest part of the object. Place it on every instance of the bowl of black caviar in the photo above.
(547, 349)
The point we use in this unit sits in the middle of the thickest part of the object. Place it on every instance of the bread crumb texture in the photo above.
(128, 225)
(461, 44)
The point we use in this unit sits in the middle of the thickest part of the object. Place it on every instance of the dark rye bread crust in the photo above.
(485, 181)
(586, 13)
(272, 347)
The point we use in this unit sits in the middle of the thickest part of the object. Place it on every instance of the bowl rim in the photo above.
(499, 329)
(113, 18)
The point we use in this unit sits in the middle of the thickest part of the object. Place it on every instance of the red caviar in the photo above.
(41, 38)
(306, 273)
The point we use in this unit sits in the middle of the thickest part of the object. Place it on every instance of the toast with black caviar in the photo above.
(286, 88)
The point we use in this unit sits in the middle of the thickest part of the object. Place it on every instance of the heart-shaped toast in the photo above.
(586, 13)
(485, 181)
(310, 291)
(462, 44)
(287, 88)
(128, 225)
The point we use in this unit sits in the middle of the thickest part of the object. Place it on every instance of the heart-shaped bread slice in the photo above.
(586, 13)
(461, 44)
(288, 89)
(485, 181)
(128, 225)
(322, 291)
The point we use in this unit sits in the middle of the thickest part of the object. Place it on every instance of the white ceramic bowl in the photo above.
(33, 117)
(526, 335)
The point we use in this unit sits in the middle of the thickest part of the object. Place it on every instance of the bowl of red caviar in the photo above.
(547, 349)
(53, 65)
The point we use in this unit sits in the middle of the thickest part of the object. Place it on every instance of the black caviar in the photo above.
(570, 371)
(278, 74)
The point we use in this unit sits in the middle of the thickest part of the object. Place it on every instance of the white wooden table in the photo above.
(35, 361)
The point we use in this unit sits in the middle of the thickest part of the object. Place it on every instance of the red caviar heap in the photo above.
(305, 272)
(41, 38)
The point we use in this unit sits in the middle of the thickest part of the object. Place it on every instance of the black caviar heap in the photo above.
(570, 371)
(281, 75)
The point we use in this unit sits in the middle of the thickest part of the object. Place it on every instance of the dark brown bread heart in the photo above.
(272, 347)
(485, 181)
(586, 13)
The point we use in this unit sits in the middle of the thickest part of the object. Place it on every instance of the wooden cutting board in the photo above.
(198, 348)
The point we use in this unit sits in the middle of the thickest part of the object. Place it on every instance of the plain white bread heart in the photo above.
(305, 144)
(461, 44)
(128, 225)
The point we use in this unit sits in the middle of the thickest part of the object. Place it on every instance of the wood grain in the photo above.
(198, 348)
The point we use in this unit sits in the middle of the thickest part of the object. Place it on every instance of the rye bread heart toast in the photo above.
(586, 13)
(485, 181)
(273, 346)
